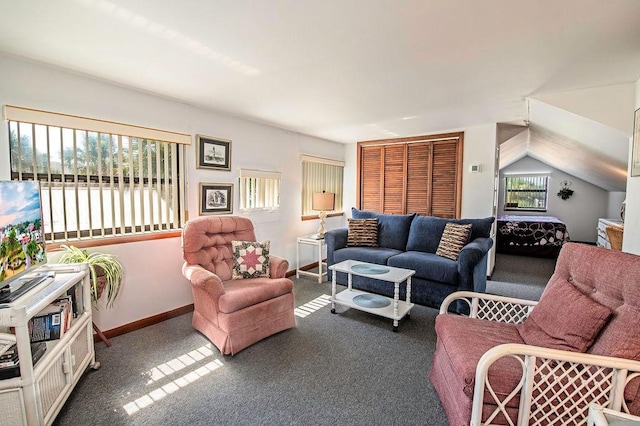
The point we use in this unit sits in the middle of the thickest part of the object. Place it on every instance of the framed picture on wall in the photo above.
(216, 198)
(213, 153)
(635, 155)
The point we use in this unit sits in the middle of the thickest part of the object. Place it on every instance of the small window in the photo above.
(321, 175)
(259, 190)
(526, 192)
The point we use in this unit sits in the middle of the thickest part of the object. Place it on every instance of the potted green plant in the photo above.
(106, 271)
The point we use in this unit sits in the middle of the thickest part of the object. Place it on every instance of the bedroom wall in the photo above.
(580, 212)
(153, 282)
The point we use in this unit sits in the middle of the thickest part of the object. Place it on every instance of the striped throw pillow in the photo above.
(362, 233)
(453, 238)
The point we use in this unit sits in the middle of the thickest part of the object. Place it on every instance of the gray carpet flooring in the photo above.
(347, 369)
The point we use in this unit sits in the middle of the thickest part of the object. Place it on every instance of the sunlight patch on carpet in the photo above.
(170, 367)
(310, 307)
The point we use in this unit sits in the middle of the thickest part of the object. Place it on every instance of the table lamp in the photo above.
(323, 201)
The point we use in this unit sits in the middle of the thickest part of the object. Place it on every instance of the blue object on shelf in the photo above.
(370, 269)
(371, 301)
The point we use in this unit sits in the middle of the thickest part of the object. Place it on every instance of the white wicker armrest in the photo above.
(491, 307)
(554, 383)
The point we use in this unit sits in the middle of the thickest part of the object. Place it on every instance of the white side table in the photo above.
(320, 244)
(599, 416)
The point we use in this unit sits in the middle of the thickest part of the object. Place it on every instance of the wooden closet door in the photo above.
(444, 179)
(419, 174)
(394, 190)
(419, 178)
(371, 163)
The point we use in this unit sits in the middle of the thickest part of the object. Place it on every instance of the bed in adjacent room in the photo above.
(541, 236)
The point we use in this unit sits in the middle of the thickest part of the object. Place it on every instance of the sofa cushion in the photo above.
(574, 329)
(426, 231)
(362, 233)
(428, 266)
(465, 340)
(250, 259)
(377, 255)
(393, 230)
(454, 237)
(621, 339)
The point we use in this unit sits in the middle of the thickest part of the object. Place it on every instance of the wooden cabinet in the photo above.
(421, 174)
(37, 395)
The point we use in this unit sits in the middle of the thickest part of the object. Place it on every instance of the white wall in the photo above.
(631, 241)
(153, 282)
(580, 212)
(615, 203)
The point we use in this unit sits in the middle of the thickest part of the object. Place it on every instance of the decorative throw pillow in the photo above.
(454, 237)
(564, 318)
(362, 233)
(250, 259)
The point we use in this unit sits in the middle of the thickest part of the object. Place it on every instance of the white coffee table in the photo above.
(395, 310)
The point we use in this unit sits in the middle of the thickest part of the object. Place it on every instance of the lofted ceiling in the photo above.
(347, 70)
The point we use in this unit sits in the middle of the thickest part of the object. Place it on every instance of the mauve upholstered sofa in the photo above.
(410, 242)
(545, 361)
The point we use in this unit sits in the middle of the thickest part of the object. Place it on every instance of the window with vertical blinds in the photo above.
(526, 192)
(97, 184)
(259, 190)
(420, 174)
(318, 175)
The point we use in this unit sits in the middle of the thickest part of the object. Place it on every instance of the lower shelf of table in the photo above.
(345, 298)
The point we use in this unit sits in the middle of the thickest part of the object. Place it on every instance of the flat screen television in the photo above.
(22, 246)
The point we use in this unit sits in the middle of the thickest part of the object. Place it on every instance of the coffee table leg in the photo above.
(333, 292)
(408, 294)
(396, 296)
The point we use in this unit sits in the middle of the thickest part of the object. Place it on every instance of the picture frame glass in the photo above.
(216, 198)
(213, 153)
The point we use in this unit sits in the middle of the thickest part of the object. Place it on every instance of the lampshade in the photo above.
(323, 201)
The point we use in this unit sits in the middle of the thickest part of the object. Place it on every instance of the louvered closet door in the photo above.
(394, 182)
(419, 178)
(444, 179)
(371, 178)
(420, 174)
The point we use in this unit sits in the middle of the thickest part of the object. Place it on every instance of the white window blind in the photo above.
(97, 184)
(318, 175)
(259, 190)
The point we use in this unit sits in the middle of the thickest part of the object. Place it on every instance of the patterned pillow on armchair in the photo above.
(250, 259)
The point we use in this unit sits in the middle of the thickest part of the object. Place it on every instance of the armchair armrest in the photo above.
(278, 266)
(553, 381)
(491, 307)
(203, 279)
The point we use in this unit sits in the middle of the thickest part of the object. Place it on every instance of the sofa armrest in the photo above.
(278, 266)
(335, 239)
(570, 382)
(472, 265)
(490, 307)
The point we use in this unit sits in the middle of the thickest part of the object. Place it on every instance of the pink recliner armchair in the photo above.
(233, 313)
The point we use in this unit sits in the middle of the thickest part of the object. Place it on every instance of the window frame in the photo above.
(339, 200)
(507, 206)
(165, 179)
(260, 189)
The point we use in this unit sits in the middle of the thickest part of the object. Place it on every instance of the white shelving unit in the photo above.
(38, 394)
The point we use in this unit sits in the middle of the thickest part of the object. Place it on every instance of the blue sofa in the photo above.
(410, 242)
